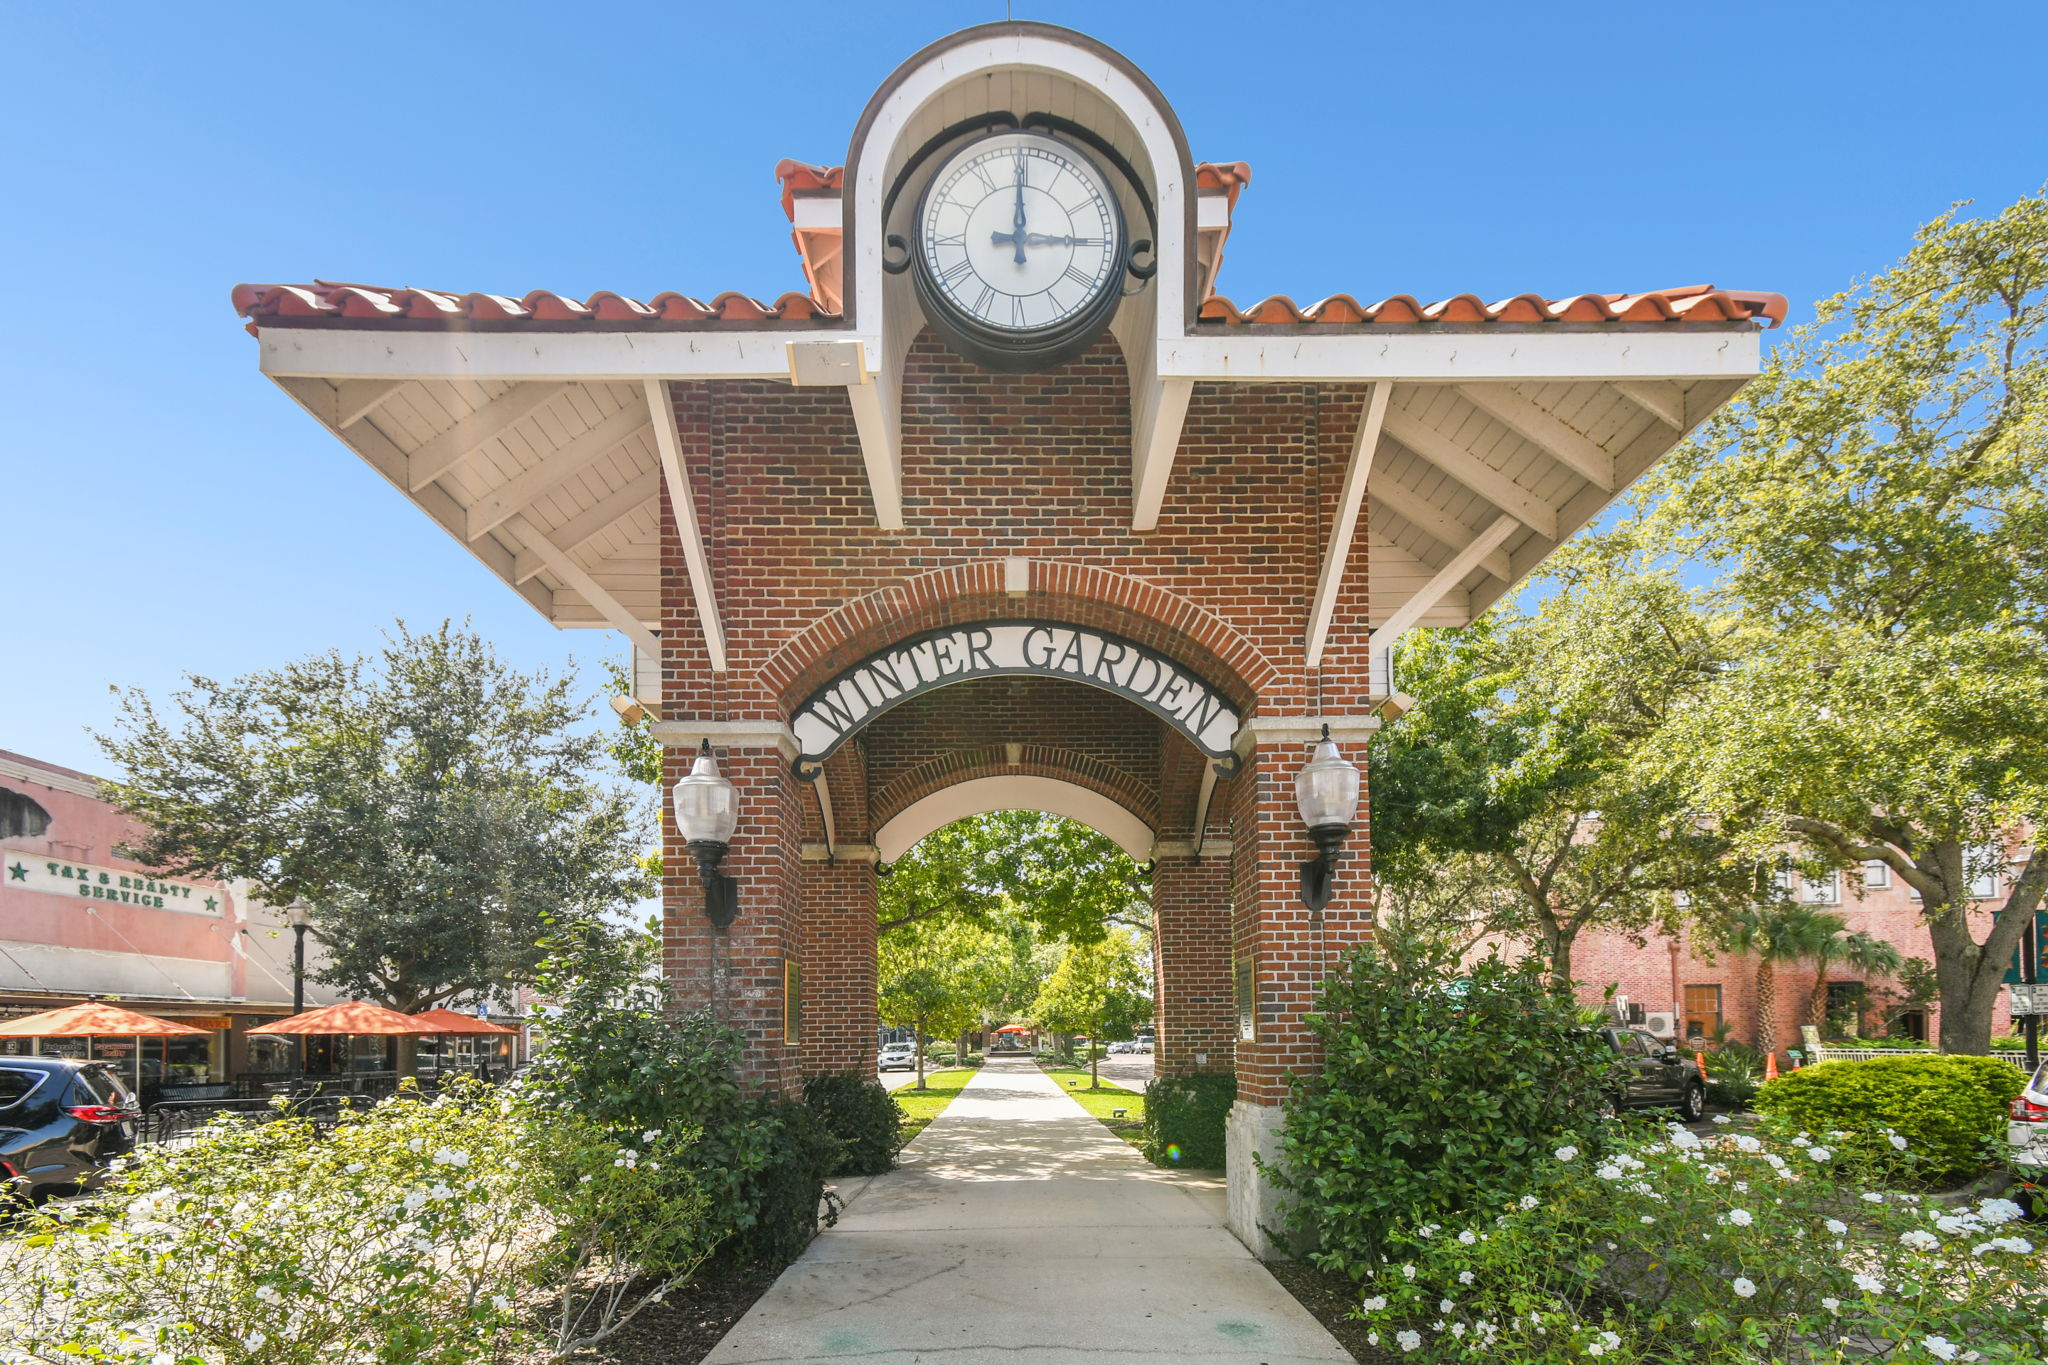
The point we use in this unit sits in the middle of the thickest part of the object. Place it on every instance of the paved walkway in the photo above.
(1017, 1229)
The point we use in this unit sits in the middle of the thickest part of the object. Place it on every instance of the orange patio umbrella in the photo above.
(354, 1017)
(451, 1022)
(93, 1019)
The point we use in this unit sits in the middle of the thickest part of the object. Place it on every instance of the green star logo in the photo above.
(212, 904)
(17, 873)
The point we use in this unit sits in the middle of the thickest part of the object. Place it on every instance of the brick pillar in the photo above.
(1191, 920)
(839, 1018)
(738, 972)
(1291, 950)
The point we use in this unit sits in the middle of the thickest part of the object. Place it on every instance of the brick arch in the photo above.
(936, 774)
(1073, 594)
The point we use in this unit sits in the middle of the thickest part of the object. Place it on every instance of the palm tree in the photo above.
(1863, 954)
(1778, 934)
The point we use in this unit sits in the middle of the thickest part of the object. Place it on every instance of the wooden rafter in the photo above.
(1544, 429)
(493, 419)
(683, 503)
(1364, 443)
(1444, 580)
(570, 458)
(1412, 507)
(1482, 478)
(581, 529)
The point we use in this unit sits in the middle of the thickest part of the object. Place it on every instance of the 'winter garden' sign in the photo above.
(1006, 649)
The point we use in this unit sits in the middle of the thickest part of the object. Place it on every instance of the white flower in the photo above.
(2019, 1246)
(415, 1200)
(1376, 1304)
(1897, 1141)
(1467, 1237)
(1445, 1306)
(1996, 1211)
(584, 1181)
(650, 1135)
(1869, 1284)
(253, 1341)
(1465, 1277)
(1870, 1197)
(268, 1294)
(1528, 1201)
(1409, 1341)
(1941, 1346)
(1837, 1226)
(450, 1156)
(1611, 1340)
(1720, 1118)
(1646, 1220)
(353, 1167)
(1956, 1224)
(1407, 1272)
(1744, 1287)
(1566, 1153)
(163, 1358)
(1596, 1349)
(1820, 1154)
(1457, 1329)
(418, 1144)
(1919, 1240)
(1372, 1338)
(1608, 1172)
(1802, 1140)
(1684, 1137)
(1832, 1305)
(1741, 1218)
(1745, 1143)
(501, 1303)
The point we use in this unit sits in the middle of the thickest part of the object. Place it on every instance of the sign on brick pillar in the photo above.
(1191, 919)
(739, 973)
(839, 1020)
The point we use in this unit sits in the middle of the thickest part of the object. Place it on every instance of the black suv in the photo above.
(61, 1122)
(1654, 1076)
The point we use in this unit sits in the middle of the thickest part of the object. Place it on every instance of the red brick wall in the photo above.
(1196, 1013)
(994, 466)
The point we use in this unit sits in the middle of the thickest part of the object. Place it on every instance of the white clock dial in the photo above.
(1019, 233)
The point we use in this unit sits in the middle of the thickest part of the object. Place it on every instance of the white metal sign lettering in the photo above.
(1009, 648)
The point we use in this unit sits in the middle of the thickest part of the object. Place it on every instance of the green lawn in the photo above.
(1104, 1103)
(920, 1107)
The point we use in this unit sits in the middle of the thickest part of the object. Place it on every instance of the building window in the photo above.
(1825, 890)
(1782, 880)
(21, 817)
(1846, 1002)
(1877, 873)
(1702, 1011)
(1987, 858)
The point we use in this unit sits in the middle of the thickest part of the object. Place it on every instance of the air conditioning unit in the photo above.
(1663, 1025)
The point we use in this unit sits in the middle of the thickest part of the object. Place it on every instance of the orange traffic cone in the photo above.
(1771, 1066)
(1701, 1059)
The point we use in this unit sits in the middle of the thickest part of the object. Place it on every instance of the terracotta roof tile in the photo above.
(367, 303)
(1694, 303)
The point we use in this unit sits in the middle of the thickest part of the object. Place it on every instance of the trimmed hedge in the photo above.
(1950, 1110)
(1184, 1118)
(861, 1117)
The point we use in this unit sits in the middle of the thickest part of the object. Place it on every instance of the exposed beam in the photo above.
(581, 529)
(577, 578)
(1338, 553)
(874, 408)
(1662, 401)
(1419, 511)
(1161, 408)
(492, 420)
(1555, 437)
(683, 503)
(356, 399)
(1468, 469)
(571, 457)
(1441, 584)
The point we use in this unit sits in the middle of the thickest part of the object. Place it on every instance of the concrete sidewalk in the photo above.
(1016, 1229)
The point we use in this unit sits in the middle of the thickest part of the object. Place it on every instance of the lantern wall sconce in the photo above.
(1326, 792)
(707, 811)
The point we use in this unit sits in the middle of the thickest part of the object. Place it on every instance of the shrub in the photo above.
(1734, 1071)
(1439, 1091)
(1948, 1109)
(1184, 1119)
(1736, 1248)
(861, 1117)
(785, 1153)
(465, 1229)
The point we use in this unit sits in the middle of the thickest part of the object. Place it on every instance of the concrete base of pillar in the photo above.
(1253, 1199)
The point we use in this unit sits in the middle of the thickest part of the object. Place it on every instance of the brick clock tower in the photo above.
(1011, 509)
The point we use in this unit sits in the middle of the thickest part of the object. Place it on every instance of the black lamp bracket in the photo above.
(721, 892)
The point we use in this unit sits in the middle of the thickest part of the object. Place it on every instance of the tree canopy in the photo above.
(433, 806)
(942, 976)
(1067, 879)
(1100, 988)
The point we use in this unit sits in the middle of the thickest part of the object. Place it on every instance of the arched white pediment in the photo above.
(980, 795)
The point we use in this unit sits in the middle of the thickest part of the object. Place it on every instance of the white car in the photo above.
(2027, 1132)
(897, 1057)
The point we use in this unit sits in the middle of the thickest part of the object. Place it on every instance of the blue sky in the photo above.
(165, 510)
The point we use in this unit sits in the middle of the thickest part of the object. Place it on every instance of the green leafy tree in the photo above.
(1869, 956)
(431, 804)
(940, 977)
(1874, 503)
(1515, 788)
(1099, 988)
(1067, 879)
(1777, 934)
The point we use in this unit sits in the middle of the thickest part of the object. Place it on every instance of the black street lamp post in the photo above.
(300, 917)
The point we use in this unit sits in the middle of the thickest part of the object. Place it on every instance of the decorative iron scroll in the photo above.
(995, 649)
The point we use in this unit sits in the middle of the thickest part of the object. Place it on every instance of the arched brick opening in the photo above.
(1043, 762)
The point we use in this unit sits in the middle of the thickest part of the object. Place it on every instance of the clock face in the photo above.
(1021, 239)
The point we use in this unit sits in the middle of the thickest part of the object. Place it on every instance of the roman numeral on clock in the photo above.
(1078, 276)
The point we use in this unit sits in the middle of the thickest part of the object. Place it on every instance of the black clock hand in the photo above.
(1018, 224)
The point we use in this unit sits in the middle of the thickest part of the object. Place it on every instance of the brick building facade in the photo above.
(780, 504)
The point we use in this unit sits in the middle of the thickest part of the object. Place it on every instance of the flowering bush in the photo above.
(439, 1232)
(1738, 1248)
(1951, 1109)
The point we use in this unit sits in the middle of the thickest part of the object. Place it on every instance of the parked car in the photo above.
(2026, 1132)
(61, 1123)
(1654, 1074)
(897, 1057)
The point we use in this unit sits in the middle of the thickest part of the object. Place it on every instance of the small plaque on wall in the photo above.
(1247, 1002)
(792, 1002)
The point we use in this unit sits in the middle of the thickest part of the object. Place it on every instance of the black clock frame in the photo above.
(1002, 349)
